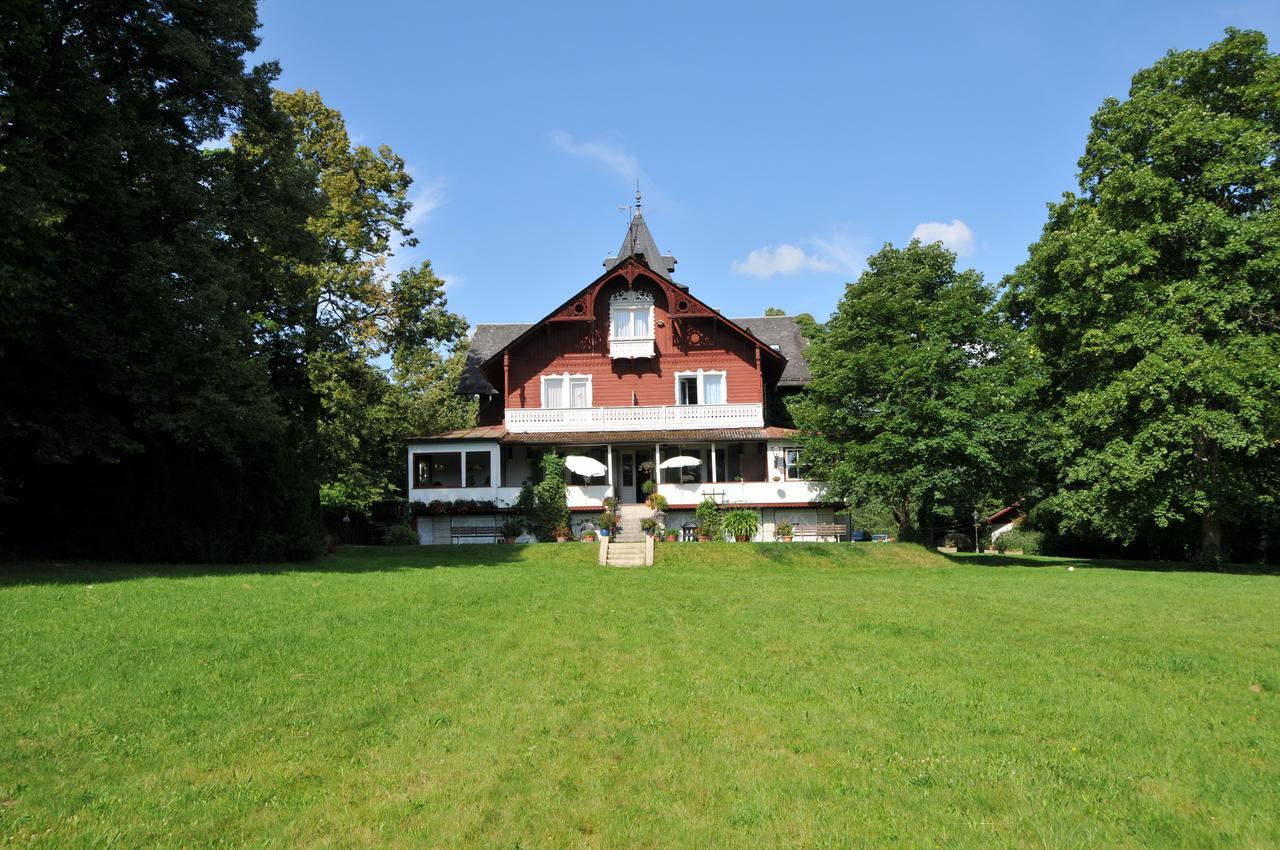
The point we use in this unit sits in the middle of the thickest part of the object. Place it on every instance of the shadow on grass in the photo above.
(17, 570)
(1058, 562)
(790, 553)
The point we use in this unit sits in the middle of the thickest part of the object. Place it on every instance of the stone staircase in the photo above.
(631, 547)
(627, 554)
(629, 517)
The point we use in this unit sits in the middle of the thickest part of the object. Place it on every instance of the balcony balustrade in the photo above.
(537, 420)
(629, 349)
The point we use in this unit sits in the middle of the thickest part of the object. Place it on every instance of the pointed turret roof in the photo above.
(639, 242)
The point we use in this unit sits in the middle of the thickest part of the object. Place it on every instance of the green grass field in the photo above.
(732, 696)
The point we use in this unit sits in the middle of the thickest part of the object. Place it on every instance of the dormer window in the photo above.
(631, 325)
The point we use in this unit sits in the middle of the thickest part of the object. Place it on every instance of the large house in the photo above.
(635, 371)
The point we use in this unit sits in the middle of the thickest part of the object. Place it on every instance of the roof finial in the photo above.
(637, 197)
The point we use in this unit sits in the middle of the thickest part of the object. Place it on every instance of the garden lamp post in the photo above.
(976, 517)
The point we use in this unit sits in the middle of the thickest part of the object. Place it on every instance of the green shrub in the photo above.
(660, 503)
(550, 500)
(401, 535)
(741, 524)
(1030, 542)
(709, 524)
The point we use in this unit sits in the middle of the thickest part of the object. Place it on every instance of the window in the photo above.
(447, 469)
(631, 315)
(566, 390)
(479, 469)
(595, 453)
(793, 469)
(685, 474)
(437, 469)
(713, 388)
(701, 387)
(688, 392)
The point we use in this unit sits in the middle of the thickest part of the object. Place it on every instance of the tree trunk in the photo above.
(925, 521)
(902, 516)
(1210, 537)
(1210, 455)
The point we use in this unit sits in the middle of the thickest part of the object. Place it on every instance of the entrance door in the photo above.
(627, 477)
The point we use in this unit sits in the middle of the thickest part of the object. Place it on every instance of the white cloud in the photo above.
(842, 250)
(839, 251)
(785, 259)
(427, 196)
(612, 157)
(452, 282)
(955, 236)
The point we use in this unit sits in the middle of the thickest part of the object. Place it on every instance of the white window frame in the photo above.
(566, 390)
(787, 466)
(702, 389)
(631, 302)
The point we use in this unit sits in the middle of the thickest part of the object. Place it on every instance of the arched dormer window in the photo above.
(631, 324)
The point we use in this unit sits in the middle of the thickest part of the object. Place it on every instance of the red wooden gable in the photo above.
(682, 309)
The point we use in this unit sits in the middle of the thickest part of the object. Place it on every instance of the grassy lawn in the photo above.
(734, 695)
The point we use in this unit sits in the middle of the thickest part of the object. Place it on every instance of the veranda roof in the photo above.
(595, 438)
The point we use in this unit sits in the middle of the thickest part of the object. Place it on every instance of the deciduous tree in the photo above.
(1154, 297)
(915, 396)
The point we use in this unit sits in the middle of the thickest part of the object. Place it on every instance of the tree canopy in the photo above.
(914, 399)
(190, 332)
(1153, 297)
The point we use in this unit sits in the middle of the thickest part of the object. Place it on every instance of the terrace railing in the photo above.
(530, 420)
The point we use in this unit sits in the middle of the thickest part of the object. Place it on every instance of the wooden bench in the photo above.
(822, 529)
(460, 532)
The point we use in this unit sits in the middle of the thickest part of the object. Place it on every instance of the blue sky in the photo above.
(777, 145)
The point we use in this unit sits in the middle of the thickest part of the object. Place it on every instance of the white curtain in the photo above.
(577, 393)
(555, 394)
(713, 389)
(631, 323)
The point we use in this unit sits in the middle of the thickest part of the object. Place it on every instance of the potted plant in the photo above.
(561, 534)
(659, 503)
(708, 514)
(649, 525)
(511, 529)
(588, 535)
(742, 524)
(607, 521)
(647, 488)
(672, 535)
(784, 531)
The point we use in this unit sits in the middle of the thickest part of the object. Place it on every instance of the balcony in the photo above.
(628, 349)
(537, 420)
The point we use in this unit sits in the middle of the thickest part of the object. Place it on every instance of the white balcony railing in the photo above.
(620, 349)
(537, 420)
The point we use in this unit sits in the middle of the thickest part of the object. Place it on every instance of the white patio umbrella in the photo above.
(679, 461)
(587, 467)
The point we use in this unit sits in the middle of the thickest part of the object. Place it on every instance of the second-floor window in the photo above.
(631, 316)
(700, 387)
(566, 390)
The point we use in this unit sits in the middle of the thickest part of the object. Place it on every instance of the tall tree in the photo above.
(915, 398)
(356, 315)
(126, 333)
(1154, 298)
